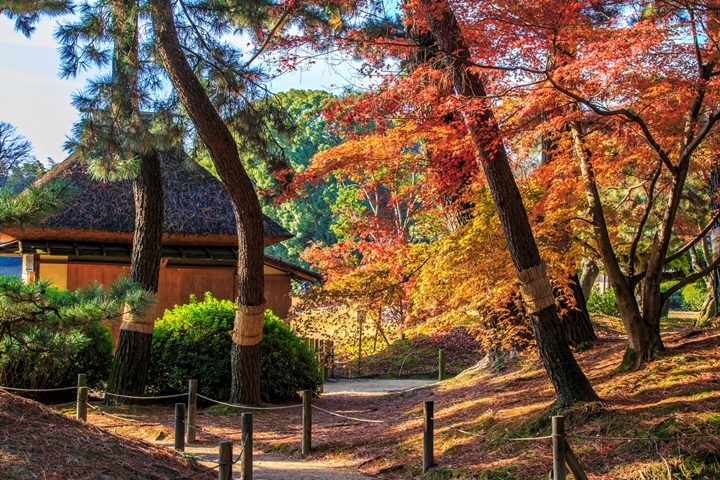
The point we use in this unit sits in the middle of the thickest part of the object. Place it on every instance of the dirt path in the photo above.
(350, 386)
(277, 467)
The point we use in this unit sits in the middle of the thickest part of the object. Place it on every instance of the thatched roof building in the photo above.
(197, 210)
(91, 238)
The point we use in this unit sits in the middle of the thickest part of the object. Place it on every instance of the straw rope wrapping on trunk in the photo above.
(141, 322)
(535, 289)
(248, 325)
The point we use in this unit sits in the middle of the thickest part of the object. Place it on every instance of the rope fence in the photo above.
(186, 428)
(247, 407)
(507, 439)
(130, 397)
(12, 389)
(345, 416)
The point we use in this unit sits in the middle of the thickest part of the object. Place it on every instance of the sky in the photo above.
(38, 103)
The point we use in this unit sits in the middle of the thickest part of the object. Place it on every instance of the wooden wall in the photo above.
(177, 283)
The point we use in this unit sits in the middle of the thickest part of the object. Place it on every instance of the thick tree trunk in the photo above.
(569, 382)
(248, 215)
(653, 298)
(576, 319)
(712, 300)
(642, 340)
(132, 357)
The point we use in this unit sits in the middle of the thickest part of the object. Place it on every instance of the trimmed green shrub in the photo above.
(603, 304)
(287, 364)
(193, 341)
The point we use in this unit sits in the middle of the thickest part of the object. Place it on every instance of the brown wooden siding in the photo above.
(178, 283)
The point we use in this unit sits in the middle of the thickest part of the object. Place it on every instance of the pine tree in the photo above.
(114, 138)
(235, 89)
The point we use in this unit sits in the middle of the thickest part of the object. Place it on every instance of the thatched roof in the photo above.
(197, 209)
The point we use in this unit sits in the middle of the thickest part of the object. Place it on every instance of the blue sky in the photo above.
(37, 102)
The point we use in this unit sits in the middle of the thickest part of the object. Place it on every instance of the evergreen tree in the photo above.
(18, 166)
(27, 13)
(234, 108)
(115, 138)
(307, 215)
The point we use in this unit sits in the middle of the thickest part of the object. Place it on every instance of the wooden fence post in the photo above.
(306, 422)
(321, 388)
(558, 438)
(246, 455)
(82, 398)
(225, 461)
(81, 409)
(180, 427)
(192, 411)
(441, 365)
(429, 414)
(573, 464)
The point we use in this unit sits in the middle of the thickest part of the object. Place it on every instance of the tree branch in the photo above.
(624, 113)
(692, 242)
(643, 220)
(689, 279)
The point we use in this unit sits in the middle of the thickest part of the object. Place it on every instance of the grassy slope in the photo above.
(675, 399)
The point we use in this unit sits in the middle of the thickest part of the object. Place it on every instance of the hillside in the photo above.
(664, 417)
(36, 442)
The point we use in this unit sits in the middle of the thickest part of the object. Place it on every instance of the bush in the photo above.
(603, 304)
(193, 341)
(55, 341)
(693, 296)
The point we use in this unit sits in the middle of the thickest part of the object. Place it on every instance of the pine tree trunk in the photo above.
(129, 372)
(132, 357)
(248, 215)
(246, 362)
(567, 378)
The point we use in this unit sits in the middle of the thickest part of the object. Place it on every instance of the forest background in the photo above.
(605, 112)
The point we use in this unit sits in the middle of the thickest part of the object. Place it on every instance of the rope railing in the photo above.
(247, 407)
(66, 404)
(131, 397)
(225, 436)
(646, 439)
(13, 389)
(495, 437)
(580, 437)
(347, 417)
(561, 447)
(97, 392)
